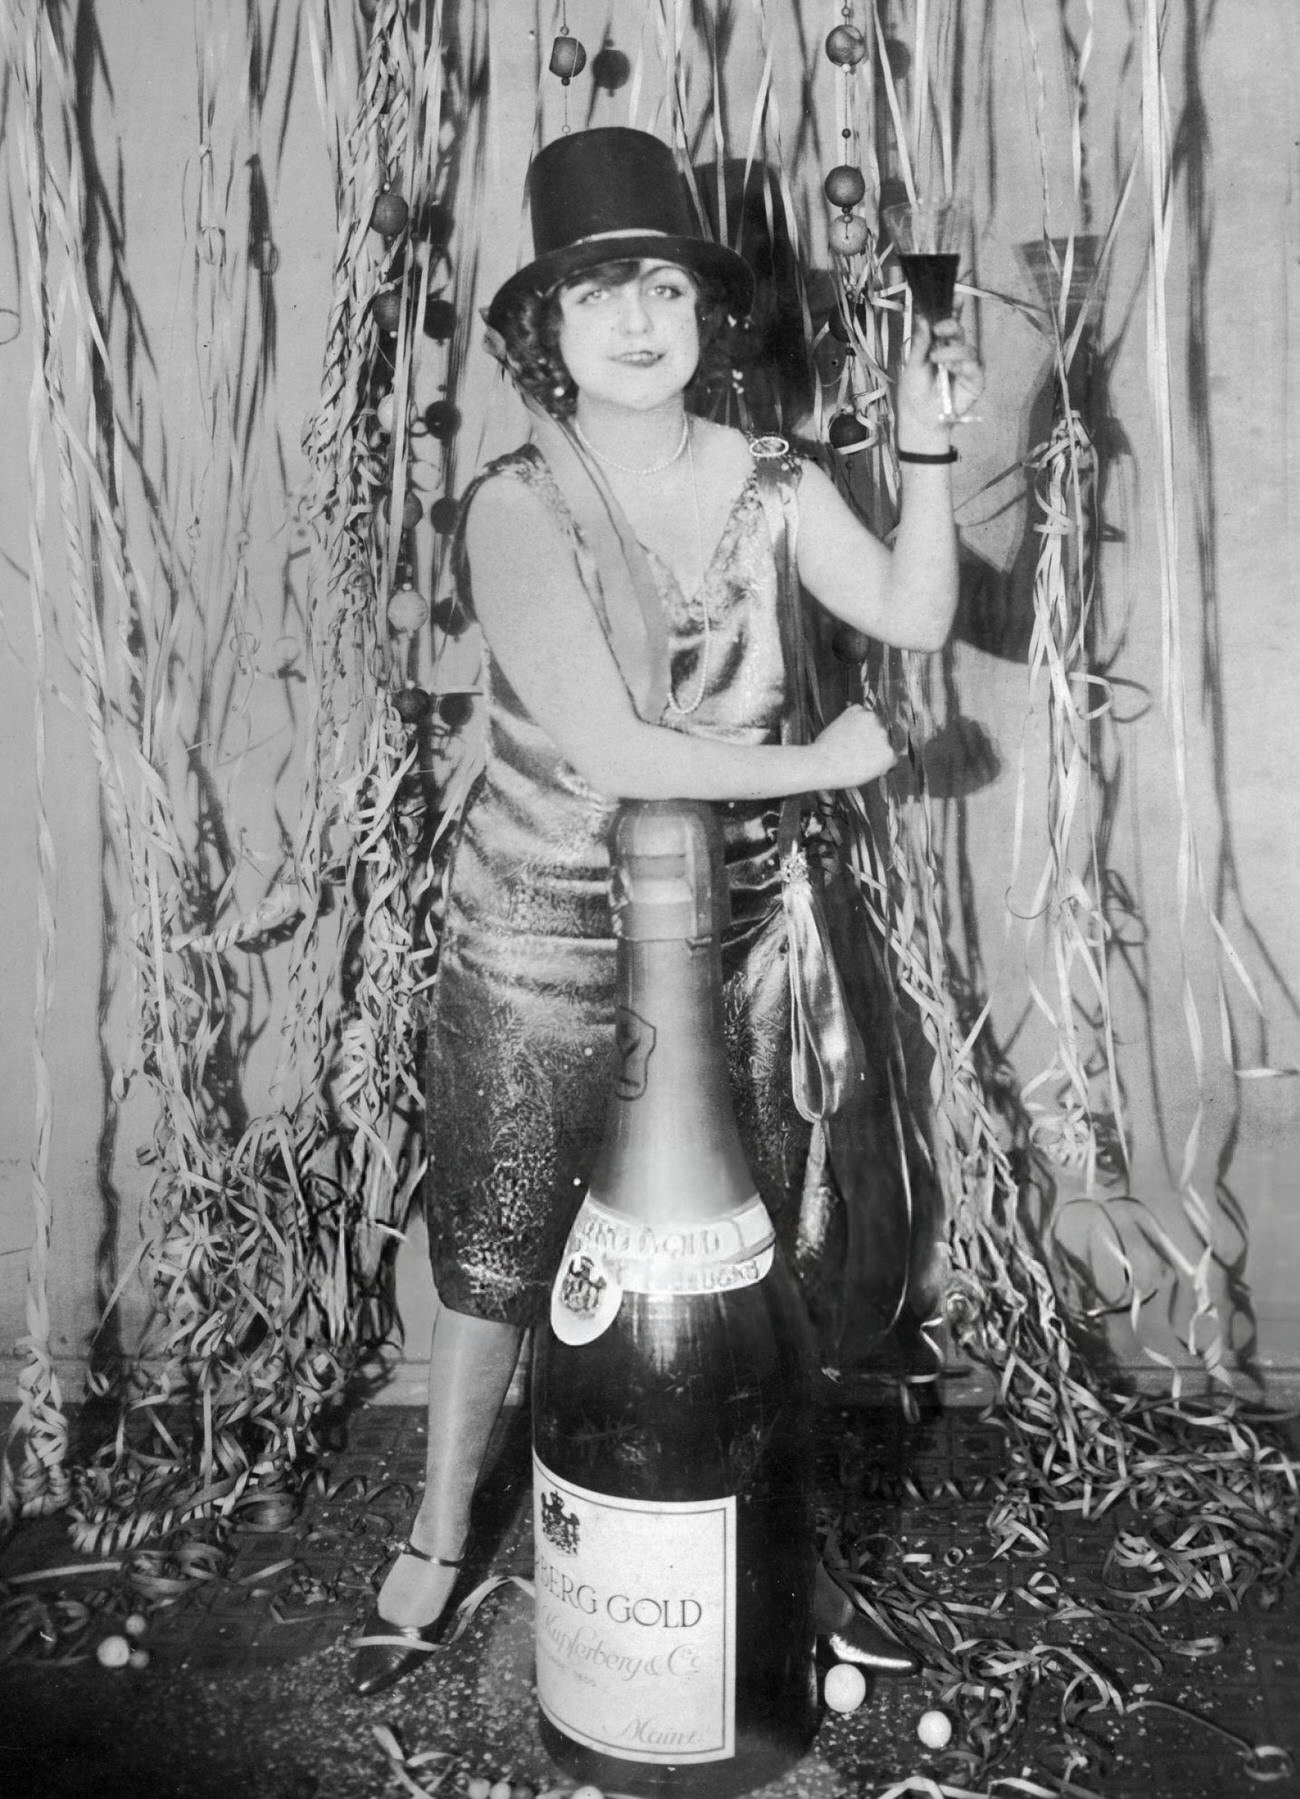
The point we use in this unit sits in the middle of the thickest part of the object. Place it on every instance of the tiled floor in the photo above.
(245, 1694)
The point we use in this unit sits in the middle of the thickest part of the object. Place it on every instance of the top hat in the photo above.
(613, 195)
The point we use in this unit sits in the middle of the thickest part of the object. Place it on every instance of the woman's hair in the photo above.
(531, 333)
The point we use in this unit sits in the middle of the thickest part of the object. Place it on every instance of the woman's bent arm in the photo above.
(542, 632)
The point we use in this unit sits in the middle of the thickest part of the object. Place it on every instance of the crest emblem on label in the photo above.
(584, 1299)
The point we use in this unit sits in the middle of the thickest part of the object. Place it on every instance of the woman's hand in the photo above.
(919, 403)
(854, 749)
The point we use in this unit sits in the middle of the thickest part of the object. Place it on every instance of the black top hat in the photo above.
(609, 195)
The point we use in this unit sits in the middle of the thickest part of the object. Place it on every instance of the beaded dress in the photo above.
(522, 1020)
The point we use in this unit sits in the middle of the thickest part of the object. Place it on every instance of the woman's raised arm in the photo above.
(547, 641)
(907, 594)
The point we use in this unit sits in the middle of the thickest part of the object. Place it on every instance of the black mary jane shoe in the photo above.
(384, 1652)
(849, 1635)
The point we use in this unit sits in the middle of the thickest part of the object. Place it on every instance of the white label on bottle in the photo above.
(636, 1621)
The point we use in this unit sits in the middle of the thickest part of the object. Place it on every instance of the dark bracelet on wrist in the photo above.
(948, 455)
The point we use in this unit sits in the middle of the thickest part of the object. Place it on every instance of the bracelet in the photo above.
(948, 455)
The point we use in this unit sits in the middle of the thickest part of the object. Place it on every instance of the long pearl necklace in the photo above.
(674, 705)
(655, 468)
(686, 443)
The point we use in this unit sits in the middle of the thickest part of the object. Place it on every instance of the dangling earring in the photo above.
(741, 400)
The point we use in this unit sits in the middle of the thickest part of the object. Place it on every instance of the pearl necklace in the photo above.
(675, 705)
(655, 468)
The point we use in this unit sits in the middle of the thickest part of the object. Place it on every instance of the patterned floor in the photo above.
(243, 1690)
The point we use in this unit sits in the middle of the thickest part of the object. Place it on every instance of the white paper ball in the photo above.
(114, 1652)
(934, 1729)
(844, 1687)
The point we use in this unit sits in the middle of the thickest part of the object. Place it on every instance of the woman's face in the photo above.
(632, 342)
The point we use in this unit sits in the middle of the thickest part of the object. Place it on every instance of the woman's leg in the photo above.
(471, 1363)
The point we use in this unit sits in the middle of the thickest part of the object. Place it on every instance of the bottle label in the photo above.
(609, 1254)
(636, 1621)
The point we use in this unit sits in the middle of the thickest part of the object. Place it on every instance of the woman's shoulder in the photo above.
(722, 450)
(518, 482)
(735, 455)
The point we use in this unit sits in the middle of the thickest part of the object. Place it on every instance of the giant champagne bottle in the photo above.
(672, 1482)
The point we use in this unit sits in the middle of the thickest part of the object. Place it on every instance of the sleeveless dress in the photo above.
(520, 1044)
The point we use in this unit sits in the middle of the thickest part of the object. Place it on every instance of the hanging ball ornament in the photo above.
(441, 419)
(846, 46)
(847, 431)
(412, 509)
(849, 234)
(412, 704)
(386, 309)
(448, 617)
(444, 514)
(845, 185)
(407, 611)
(838, 326)
(389, 215)
(610, 69)
(568, 58)
(455, 709)
(439, 319)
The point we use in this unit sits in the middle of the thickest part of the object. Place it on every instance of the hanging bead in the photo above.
(389, 215)
(439, 319)
(849, 234)
(837, 325)
(845, 186)
(455, 709)
(407, 611)
(412, 510)
(610, 68)
(386, 309)
(848, 432)
(441, 419)
(568, 58)
(444, 514)
(435, 223)
(449, 616)
(412, 704)
(846, 46)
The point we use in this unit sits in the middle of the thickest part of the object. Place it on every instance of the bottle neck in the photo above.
(671, 1151)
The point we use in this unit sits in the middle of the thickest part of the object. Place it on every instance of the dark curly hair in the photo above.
(531, 334)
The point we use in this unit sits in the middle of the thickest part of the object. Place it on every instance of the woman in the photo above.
(601, 691)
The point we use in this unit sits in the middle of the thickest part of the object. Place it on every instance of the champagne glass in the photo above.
(929, 237)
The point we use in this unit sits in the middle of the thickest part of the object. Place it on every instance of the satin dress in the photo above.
(521, 1032)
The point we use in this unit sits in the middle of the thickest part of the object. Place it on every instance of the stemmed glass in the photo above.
(930, 236)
